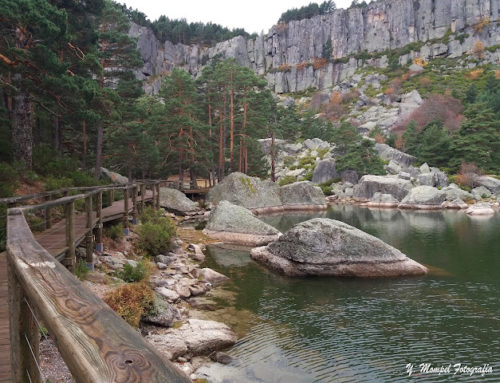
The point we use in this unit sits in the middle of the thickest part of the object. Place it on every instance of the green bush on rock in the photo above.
(155, 237)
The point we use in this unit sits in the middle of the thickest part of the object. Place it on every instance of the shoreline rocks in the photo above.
(326, 247)
(423, 197)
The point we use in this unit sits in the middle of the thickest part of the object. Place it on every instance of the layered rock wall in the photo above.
(381, 26)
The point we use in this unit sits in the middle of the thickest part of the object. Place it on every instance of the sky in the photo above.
(252, 15)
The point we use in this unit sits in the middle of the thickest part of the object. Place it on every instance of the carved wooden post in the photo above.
(126, 229)
(24, 333)
(89, 237)
(157, 186)
(98, 239)
(134, 205)
(69, 260)
(143, 196)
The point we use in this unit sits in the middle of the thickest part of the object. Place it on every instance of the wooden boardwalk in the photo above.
(54, 241)
(5, 365)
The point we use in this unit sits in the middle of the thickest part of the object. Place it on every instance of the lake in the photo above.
(370, 330)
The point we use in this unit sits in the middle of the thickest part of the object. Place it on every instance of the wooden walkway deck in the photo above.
(5, 365)
(54, 241)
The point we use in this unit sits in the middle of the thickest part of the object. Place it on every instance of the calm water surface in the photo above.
(355, 330)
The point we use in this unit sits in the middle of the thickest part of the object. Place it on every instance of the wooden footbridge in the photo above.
(36, 289)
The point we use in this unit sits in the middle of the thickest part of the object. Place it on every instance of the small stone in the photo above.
(221, 357)
(161, 265)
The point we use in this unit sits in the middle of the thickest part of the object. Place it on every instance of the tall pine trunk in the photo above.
(22, 129)
(221, 147)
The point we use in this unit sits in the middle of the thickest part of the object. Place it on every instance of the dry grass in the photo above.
(131, 301)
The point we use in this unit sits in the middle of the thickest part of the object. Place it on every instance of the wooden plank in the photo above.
(96, 344)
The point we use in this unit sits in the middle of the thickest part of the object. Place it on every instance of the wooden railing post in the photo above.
(111, 197)
(98, 208)
(69, 260)
(157, 186)
(126, 229)
(48, 216)
(153, 202)
(134, 205)
(89, 237)
(24, 333)
(143, 196)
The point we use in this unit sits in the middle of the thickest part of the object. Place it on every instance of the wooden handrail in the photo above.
(96, 344)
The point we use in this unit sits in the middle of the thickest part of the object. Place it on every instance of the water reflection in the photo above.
(365, 330)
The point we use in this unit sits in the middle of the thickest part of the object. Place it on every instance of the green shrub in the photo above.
(327, 190)
(149, 214)
(307, 162)
(286, 180)
(155, 237)
(308, 176)
(200, 225)
(133, 274)
(81, 270)
(8, 180)
(114, 232)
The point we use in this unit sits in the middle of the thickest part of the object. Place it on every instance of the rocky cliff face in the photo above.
(288, 54)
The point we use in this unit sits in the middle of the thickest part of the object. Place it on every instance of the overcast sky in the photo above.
(252, 15)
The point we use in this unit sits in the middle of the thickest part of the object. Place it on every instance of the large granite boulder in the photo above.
(350, 176)
(326, 247)
(423, 197)
(324, 171)
(369, 185)
(388, 153)
(490, 183)
(249, 192)
(114, 177)
(302, 196)
(235, 224)
(453, 192)
(176, 201)
(480, 192)
(196, 337)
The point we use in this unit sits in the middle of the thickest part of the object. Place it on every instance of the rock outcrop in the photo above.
(176, 202)
(324, 171)
(423, 197)
(236, 224)
(114, 177)
(378, 27)
(265, 196)
(490, 183)
(325, 247)
(369, 185)
(302, 196)
(249, 192)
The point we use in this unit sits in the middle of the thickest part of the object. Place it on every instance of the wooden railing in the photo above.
(95, 343)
